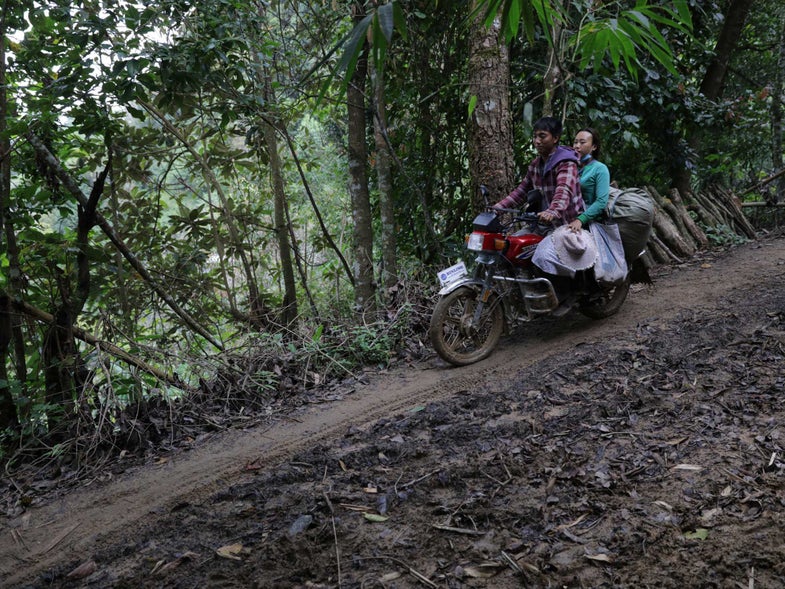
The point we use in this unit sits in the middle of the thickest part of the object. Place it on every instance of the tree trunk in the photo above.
(661, 252)
(665, 206)
(8, 417)
(554, 75)
(289, 310)
(669, 234)
(289, 305)
(20, 308)
(778, 91)
(64, 371)
(10, 324)
(384, 180)
(735, 17)
(490, 142)
(714, 78)
(364, 289)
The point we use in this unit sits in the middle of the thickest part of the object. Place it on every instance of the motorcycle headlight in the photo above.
(475, 242)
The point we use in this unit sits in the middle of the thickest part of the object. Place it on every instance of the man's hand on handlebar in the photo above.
(546, 217)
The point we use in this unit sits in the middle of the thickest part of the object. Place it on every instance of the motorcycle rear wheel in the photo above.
(607, 305)
(456, 337)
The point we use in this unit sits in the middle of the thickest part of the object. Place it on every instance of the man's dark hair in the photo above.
(550, 124)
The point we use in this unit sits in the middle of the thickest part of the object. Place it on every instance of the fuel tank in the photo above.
(521, 248)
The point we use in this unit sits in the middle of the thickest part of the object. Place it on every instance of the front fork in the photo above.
(485, 277)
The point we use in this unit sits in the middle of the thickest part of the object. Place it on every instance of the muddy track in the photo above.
(71, 527)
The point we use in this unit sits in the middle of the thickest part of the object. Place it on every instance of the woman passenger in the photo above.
(595, 178)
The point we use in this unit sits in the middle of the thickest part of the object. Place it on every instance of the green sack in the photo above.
(632, 209)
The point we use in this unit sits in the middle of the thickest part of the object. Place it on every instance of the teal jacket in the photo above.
(595, 187)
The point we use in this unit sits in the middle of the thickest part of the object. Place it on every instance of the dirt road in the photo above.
(71, 529)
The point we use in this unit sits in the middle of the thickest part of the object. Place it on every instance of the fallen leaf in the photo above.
(698, 534)
(599, 557)
(710, 514)
(162, 568)
(483, 570)
(175, 563)
(83, 570)
(374, 517)
(230, 551)
(390, 577)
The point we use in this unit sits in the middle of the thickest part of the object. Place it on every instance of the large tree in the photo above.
(357, 149)
(490, 139)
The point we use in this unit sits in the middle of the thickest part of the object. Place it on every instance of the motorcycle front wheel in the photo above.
(608, 304)
(456, 336)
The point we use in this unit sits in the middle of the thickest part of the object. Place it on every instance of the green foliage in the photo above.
(604, 31)
(723, 235)
(377, 27)
(626, 33)
(515, 12)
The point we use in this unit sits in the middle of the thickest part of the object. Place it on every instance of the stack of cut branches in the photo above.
(681, 223)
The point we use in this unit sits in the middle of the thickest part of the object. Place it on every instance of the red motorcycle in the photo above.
(506, 288)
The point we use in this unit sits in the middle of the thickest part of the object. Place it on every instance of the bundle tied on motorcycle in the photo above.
(565, 252)
(632, 209)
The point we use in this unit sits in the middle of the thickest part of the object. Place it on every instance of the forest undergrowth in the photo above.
(270, 374)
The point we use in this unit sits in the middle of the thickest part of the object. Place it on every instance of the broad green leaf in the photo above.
(514, 16)
(684, 13)
(639, 16)
(400, 19)
(472, 104)
(386, 20)
(354, 46)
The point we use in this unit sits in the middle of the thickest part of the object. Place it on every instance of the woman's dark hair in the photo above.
(550, 124)
(595, 139)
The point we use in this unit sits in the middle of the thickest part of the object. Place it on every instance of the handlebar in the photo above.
(517, 214)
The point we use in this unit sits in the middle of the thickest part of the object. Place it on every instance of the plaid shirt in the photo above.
(558, 180)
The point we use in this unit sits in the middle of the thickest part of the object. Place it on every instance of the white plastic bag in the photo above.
(611, 267)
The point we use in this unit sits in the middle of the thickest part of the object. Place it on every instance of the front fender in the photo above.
(478, 285)
(465, 281)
